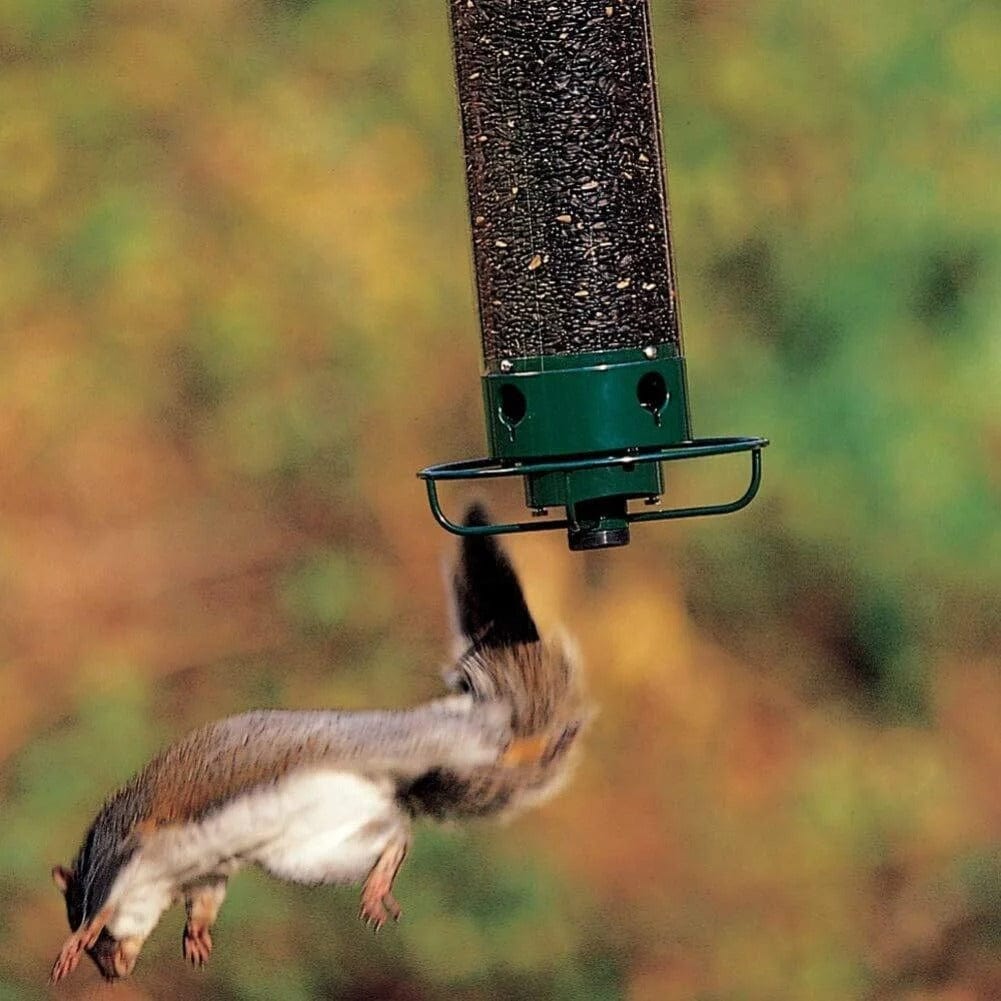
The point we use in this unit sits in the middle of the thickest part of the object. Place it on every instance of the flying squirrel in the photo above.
(328, 797)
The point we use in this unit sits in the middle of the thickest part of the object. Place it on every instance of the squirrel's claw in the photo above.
(377, 909)
(372, 913)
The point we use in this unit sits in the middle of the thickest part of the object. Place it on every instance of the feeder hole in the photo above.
(651, 391)
(513, 406)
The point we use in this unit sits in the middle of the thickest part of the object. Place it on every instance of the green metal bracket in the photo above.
(575, 522)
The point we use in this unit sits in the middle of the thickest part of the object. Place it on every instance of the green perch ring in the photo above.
(592, 524)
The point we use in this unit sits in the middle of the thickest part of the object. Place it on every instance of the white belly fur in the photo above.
(311, 827)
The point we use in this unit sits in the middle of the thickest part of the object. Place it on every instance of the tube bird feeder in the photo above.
(584, 390)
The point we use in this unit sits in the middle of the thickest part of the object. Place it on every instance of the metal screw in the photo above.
(506, 365)
(650, 352)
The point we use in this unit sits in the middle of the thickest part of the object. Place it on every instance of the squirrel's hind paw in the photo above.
(376, 909)
(377, 901)
(197, 944)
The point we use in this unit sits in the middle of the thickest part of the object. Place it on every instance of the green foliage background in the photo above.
(236, 309)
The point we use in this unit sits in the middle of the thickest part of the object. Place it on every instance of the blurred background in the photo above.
(237, 315)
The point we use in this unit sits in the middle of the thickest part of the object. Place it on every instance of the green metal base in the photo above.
(586, 403)
(596, 506)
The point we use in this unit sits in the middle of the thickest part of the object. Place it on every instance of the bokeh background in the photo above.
(237, 315)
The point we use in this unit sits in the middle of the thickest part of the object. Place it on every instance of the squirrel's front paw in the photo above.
(197, 942)
(67, 960)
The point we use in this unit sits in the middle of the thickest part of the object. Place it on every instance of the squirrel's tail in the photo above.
(506, 658)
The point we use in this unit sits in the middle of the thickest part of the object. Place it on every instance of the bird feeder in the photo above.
(584, 390)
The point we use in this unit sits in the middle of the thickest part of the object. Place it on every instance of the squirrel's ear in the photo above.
(62, 877)
(490, 609)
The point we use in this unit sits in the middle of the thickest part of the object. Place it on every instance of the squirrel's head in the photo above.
(502, 654)
(112, 958)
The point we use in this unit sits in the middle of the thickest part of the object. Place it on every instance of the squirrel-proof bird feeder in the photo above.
(585, 391)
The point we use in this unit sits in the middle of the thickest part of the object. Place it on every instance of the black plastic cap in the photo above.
(589, 537)
(598, 524)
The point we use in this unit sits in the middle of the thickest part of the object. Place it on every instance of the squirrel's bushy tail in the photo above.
(506, 658)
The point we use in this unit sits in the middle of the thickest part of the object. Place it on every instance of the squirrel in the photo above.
(320, 796)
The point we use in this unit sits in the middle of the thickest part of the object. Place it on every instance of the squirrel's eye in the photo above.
(458, 681)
